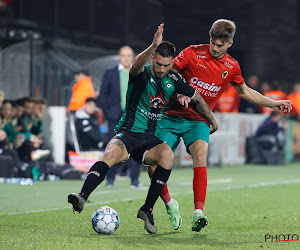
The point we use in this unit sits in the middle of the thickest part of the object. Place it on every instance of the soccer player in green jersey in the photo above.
(149, 90)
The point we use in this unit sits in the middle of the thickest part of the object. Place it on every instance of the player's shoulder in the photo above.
(199, 47)
(230, 61)
(174, 75)
(193, 50)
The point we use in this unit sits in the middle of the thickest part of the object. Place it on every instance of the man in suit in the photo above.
(112, 100)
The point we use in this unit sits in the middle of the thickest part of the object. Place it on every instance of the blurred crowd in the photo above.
(21, 135)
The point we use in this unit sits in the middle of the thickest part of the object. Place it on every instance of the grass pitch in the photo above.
(244, 203)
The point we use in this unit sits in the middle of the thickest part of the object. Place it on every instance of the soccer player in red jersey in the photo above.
(208, 68)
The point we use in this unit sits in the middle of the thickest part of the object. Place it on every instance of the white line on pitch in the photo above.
(263, 184)
(220, 181)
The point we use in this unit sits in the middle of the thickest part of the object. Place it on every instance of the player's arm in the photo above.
(202, 107)
(142, 58)
(253, 96)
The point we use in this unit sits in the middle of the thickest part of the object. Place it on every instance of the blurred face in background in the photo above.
(28, 108)
(6, 110)
(35, 109)
(90, 107)
(252, 81)
(78, 77)
(126, 57)
(265, 86)
(296, 88)
(20, 111)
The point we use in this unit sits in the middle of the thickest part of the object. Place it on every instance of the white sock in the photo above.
(198, 211)
(170, 202)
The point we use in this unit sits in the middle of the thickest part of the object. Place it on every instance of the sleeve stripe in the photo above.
(193, 95)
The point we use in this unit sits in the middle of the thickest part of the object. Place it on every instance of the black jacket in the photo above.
(88, 132)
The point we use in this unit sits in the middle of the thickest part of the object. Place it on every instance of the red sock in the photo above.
(165, 194)
(199, 186)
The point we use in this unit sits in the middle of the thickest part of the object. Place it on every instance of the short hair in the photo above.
(223, 29)
(82, 71)
(166, 49)
(90, 99)
(40, 100)
(275, 113)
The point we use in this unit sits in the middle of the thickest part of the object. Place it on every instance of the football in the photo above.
(105, 220)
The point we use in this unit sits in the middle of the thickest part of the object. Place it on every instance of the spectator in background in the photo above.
(245, 106)
(274, 93)
(112, 100)
(87, 126)
(82, 89)
(229, 101)
(265, 86)
(40, 105)
(295, 98)
(269, 134)
(267, 145)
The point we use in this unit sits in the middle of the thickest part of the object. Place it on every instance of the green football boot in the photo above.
(174, 215)
(199, 221)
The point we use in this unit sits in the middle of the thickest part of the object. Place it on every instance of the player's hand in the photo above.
(213, 128)
(283, 105)
(183, 100)
(157, 38)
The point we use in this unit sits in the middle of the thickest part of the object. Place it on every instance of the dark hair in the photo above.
(81, 71)
(275, 113)
(90, 99)
(166, 49)
(223, 29)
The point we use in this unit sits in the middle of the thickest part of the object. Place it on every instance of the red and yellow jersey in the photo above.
(208, 76)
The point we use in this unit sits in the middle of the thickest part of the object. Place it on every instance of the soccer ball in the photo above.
(105, 220)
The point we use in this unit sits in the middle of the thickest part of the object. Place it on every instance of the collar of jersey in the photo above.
(154, 78)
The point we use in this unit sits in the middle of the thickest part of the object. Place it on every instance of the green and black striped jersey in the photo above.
(146, 99)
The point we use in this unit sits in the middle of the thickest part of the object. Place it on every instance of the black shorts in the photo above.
(137, 144)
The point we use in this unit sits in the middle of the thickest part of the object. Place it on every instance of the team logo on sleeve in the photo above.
(224, 74)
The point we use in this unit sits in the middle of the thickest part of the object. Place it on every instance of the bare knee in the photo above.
(165, 157)
(200, 160)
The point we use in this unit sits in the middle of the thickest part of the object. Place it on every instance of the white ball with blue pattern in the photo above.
(105, 220)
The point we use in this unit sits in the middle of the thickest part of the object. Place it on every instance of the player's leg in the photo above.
(162, 156)
(172, 206)
(115, 152)
(196, 141)
(172, 139)
(168, 133)
(199, 154)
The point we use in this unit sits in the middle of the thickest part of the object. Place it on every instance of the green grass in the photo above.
(243, 204)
